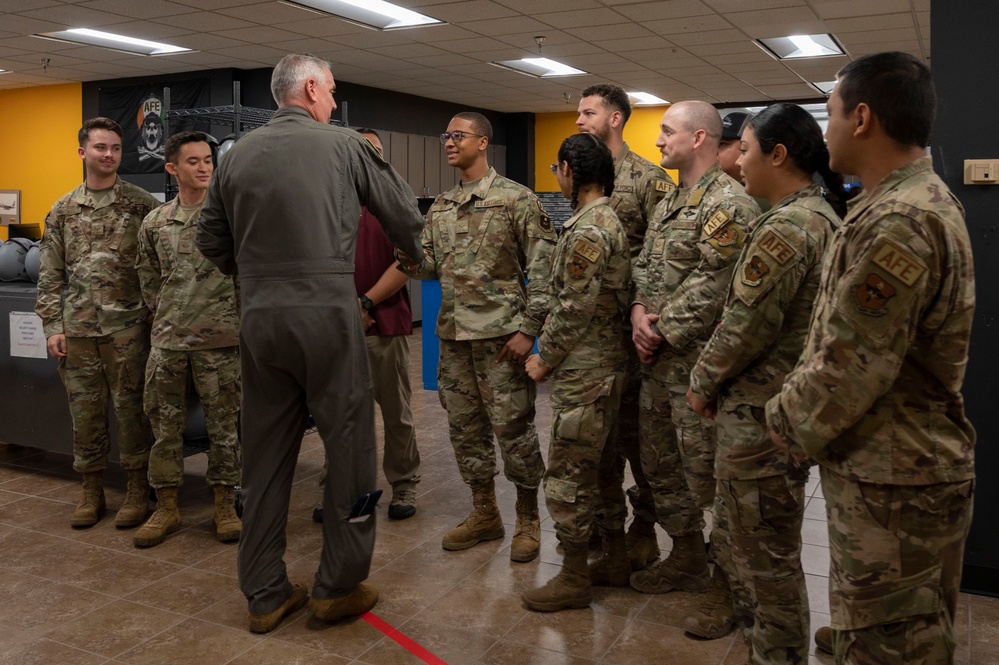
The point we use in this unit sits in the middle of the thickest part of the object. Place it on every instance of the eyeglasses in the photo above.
(554, 168)
(456, 136)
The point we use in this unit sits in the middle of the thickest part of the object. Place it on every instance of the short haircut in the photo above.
(292, 72)
(98, 123)
(365, 130)
(480, 123)
(614, 96)
(898, 88)
(171, 149)
(701, 115)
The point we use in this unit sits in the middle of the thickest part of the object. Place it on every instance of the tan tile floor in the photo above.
(81, 597)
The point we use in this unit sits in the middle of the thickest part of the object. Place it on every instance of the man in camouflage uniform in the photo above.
(681, 280)
(876, 396)
(756, 531)
(195, 334)
(99, 331)
(482, 239)
(639, 185)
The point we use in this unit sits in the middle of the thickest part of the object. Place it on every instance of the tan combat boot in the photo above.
(643, 548)
(135, 508)
(686, 568)
(228, 526)
(715, 616)
(483, 523)
(613, 567)
(527, 537)
(92, 505)
(570, 589)
(164, 520)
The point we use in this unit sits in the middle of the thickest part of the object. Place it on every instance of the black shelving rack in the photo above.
(238, 118)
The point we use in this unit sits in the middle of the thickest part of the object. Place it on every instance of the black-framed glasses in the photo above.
(554, 168)
(456, 136)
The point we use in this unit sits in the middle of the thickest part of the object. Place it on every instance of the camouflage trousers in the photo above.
(584, 408)
(896, 553)
(483, 398)
(678, 456)
(101, 370)
(215, 374)
(623, 445)
(756, 536)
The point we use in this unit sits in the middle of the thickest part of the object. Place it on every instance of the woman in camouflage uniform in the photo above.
(582, 347)
(759, 498)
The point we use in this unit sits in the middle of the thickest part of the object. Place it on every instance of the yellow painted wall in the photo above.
(550, 129)
(38, 129)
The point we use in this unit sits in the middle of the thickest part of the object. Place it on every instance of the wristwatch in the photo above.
(366, 303)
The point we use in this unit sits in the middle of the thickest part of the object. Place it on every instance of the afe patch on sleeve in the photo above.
(872, 294)
(754, 271)
(899, 263)
(717, 221)
(776, 247)
(587, 250)
(664, 186)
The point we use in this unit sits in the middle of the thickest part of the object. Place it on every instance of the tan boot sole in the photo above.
(140, 541)
(453, 546)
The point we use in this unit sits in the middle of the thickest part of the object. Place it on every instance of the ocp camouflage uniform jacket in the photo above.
(193, 303)
(97, 246)
(763, 327)
(589, 292)
(876, 395)
(685, 268)
(639, 186)
(481, 247)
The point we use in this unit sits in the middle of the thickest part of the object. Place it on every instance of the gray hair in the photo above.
(292, 72)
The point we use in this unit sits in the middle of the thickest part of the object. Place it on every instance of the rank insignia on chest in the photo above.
(578, 266)
(753, 273)
(186, 246)
(872, 295)
(658, 245)
(461, 226)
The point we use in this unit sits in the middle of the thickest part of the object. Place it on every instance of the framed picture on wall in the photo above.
(10, 206)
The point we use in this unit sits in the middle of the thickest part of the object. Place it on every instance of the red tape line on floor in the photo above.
(402, 640)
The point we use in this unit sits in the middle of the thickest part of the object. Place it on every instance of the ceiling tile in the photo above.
(144, 9)
(850, 8)
(879, 22)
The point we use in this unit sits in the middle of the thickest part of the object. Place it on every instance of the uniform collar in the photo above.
(603, 200)
(80, 196)
(892, 181)
(480, 192)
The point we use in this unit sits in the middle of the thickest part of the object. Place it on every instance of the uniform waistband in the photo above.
(293, 269)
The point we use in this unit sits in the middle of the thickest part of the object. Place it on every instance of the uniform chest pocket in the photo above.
(479, 224)
(682, 236)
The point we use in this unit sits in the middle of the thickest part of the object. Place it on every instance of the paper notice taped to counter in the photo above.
(27, 339)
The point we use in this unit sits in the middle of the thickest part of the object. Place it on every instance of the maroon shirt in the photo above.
(393, 316)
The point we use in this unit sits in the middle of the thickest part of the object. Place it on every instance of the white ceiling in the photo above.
(676, 49)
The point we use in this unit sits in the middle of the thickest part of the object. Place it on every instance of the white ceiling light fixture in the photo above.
(375, 14)
(825, 87)
(801, 46)
(539, 67)
(646, 99)
(112, 41)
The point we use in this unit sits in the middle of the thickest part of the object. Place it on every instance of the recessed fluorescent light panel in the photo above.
(539, 67)
(375, 14)
(645, 99)
(801, 46)
(112, 41)
(825, 87)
